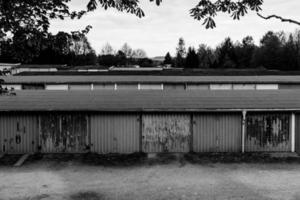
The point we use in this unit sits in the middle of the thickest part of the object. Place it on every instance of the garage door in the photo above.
(217, 132)
(166, 133)
(115, 133)
(18, 133)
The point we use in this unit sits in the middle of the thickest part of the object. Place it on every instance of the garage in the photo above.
(64, 133)
(18, 133)
(217, 132)
(115, 133)
(166, 133)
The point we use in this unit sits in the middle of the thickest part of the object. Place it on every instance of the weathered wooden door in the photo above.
(65, 133)
(18, 133)
(217, 132)
(166, 133)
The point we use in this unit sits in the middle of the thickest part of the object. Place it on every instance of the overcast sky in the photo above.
(159, 31)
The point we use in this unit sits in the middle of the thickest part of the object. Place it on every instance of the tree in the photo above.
(244, 52)
(139, 53)
(206, 56)
(272, 51)
(36, 14)
(127, 50)
(191, 59)
(226, 57)
(168, 59)
(180, 53)
(107, 49)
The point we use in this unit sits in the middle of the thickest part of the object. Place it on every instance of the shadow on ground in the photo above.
(137, 159)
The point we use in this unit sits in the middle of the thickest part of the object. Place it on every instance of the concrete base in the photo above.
(21, 160)
(284, 155)
(151, 155)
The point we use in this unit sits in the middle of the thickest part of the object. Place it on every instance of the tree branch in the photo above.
(280, 18)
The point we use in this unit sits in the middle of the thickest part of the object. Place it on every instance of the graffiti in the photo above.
(18, 139)
(166, 133)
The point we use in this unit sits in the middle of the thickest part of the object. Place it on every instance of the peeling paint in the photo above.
(268, 132)
(64, 133)
(166, 133)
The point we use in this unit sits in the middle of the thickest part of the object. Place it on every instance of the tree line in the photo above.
(276, 50)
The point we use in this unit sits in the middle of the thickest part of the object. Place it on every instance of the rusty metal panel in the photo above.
(18, 133)
(166, 133)
(64, 133)
(115, 133)
(217, 132)
(268, 132)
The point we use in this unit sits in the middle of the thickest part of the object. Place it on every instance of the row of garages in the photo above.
(104, 133)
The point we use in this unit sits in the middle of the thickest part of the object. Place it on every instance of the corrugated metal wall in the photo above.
(18, 133)
(166, 133)
(119, 133)
(297, 133)
(217, 132)
(64, 133)
(268, 132)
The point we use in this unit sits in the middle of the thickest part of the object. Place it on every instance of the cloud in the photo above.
(159, 31)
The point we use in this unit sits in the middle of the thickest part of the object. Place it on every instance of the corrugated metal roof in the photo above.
(151, 79)
(149, 100)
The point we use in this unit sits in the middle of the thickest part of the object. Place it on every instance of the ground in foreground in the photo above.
(69, 180)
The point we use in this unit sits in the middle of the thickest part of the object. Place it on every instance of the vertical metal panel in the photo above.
(127, 86)
(217, 132)
(104, 86)
(174, 86)
(115, 133)
(18, 133)
(289, 86)
(268, 132)
(166, 133)
(244, 86)
(297, 133)
(197, 87)
(64, 133)
(79, 87)
(144, 86)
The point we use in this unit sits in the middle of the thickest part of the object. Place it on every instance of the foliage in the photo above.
(168, 59)
(191, 60)
(180, 53)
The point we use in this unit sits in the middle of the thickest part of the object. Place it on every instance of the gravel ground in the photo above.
(47, 179)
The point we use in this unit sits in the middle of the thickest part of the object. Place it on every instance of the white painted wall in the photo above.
(267, 86)
(57, 87)
(220, 86)
(197, 87)
(15, 86)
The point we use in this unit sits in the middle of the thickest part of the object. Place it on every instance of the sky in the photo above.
(158, 32)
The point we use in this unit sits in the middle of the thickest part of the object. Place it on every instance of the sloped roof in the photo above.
(118, 101)
(150, 79)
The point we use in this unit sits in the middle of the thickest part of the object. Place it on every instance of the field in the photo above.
(72, 179)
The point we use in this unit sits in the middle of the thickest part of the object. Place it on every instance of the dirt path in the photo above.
(45, 180)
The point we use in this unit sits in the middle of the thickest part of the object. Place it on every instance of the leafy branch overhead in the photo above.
(16, 15)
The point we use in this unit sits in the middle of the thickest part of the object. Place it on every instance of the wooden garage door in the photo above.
(115, 133)
(217, 132)
(18, 133)
(66, 133)
(166, 133)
